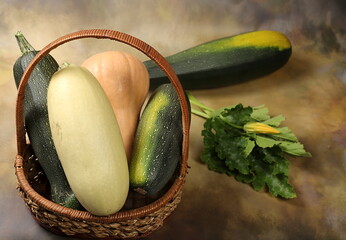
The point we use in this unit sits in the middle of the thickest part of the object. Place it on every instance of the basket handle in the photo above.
(102, 34)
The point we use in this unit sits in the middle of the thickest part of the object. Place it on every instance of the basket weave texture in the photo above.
(126, 224)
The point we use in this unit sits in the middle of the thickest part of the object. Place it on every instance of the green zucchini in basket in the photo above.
(157, 146)
(226, 61)
(37, 123)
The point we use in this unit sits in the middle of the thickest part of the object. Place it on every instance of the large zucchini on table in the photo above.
(226, 61)
(158, 143)
(37, 123)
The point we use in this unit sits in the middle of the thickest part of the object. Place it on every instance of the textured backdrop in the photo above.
(310, 90)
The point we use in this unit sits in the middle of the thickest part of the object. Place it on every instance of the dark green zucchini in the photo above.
(158, 143)
(37, 123)
(226, 61)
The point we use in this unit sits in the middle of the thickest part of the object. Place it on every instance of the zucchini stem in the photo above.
(64, 65)
(23, 44)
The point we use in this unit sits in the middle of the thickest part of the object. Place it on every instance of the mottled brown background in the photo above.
(310, 91)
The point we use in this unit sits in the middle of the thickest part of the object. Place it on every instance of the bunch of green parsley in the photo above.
(247, 143)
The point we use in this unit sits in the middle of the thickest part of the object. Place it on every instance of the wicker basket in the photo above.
(32, 184)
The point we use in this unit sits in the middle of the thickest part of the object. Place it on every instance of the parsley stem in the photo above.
(230, 123)
(200, 113)
(194, 101)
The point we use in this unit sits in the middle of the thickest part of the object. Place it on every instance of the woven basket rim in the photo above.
(85, 215)
(22, 144)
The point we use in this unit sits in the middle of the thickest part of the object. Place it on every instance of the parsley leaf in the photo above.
(237, 115)
(275, 121)
(260, 113)
(209, 155)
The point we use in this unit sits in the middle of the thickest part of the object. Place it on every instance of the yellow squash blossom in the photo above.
(257, 127)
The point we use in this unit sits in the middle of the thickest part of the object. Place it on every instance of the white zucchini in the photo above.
(88, 140)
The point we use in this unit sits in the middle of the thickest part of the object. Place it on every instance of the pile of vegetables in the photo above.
(99, 141)
(85, 128)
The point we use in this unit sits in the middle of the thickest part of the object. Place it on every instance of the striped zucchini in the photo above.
(37, 123)
(158, 142)
(226, 61)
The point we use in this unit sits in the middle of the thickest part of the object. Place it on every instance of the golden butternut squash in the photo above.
(125, 81)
